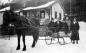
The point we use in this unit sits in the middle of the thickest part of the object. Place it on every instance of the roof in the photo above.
(40, 6)
(77, 6)
(16, 5)
(25, 3)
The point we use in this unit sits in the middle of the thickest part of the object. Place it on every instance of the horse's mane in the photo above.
(33, 22)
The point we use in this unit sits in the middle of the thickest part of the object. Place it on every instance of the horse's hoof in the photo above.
(33, 46)
(18, 48)
(73, 42)
(24, 49)
(76, 42)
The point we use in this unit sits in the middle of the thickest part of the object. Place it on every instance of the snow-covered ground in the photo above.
(9, 46)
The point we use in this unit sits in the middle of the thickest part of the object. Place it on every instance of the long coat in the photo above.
(75, 31)
(64, 27)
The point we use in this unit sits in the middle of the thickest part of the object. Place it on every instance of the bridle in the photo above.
(29, 23)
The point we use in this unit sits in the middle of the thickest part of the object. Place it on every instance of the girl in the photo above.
(75, 31)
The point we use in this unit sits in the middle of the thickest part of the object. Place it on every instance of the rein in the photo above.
(30, 23)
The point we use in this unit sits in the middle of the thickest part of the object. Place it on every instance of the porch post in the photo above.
(50, 12)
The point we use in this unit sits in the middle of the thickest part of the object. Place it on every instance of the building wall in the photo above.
(57, 8)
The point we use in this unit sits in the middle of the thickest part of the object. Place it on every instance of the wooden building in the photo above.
(45, 12)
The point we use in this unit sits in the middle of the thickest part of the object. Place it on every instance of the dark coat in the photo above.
(51, 26)
(64, 27)
(75, 31)
(58, 26)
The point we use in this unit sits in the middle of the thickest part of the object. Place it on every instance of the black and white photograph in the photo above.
(42, 26)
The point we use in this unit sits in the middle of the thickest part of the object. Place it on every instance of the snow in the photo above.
(9, 46)
(4, 9)
(41, 6)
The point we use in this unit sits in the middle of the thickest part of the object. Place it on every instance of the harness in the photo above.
(29, 23)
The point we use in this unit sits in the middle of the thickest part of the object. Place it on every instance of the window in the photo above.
(42, 14)
(55, 14)
(60, 16)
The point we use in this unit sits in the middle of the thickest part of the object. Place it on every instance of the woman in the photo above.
(68, 21)
(75, 31)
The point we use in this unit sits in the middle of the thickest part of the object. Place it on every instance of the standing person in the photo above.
(68, 21)
(75, 31)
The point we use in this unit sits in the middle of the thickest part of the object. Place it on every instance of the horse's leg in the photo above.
(58, 36)
(35, 39)
(24, 45)
(63, 40)
(18, 45)
(58, 40)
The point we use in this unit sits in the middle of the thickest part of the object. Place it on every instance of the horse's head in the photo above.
(9, 17)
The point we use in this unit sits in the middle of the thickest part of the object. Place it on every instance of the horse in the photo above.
(21, 25)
